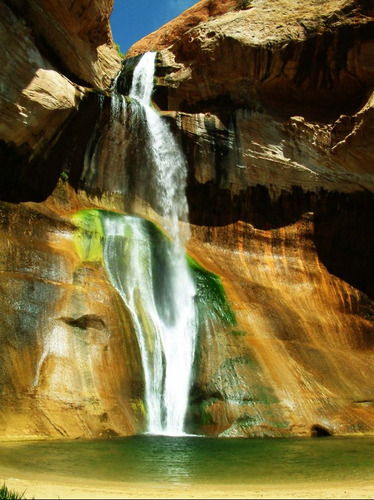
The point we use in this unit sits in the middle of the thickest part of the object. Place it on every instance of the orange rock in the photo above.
(172, 31)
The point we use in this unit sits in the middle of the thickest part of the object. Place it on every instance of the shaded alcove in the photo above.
(318, 430)
(343, 222)
(32, 176)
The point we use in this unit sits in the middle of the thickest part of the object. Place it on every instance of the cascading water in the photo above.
(165, 154)
(162, 307)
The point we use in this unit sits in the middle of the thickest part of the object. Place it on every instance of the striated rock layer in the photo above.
(299, 358)
(273, 106)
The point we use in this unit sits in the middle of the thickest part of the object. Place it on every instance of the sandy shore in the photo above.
(60, 487)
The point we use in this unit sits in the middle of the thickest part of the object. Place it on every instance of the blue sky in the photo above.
(133, 19)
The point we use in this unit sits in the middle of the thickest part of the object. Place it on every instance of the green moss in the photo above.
(120, 53)
(211, 301)
(239, 333)
(138, 407)
(264, 394)
(64, 176)
(204, 410)
(273, 417)
(246, 421)
(243, 4)
(281, 424)
(206, 417)
(230, 363)
(89, 236)
(210, 297)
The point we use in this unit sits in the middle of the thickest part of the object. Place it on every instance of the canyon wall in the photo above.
(273, 104)
(273, 107)
(69, 363)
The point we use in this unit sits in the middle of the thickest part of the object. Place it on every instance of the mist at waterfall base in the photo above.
(194, 461)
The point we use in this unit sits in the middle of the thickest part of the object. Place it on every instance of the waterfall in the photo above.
(158, 293)
(167, 158)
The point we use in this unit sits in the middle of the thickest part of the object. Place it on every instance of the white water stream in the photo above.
(164, 319)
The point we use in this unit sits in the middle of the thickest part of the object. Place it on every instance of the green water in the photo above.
(194, 460)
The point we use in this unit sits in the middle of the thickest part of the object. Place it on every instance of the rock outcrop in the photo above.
(51, 53)
(172, 31)
(267, 73)
(75, 36)
(273, 105)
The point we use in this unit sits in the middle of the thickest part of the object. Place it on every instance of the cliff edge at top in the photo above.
(311, 57)
(167, 35)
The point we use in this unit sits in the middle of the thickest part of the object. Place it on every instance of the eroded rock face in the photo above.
(70, 365)
(76, 37)
(49, 49)
(35, 98)
(300, 60)
(290, 105)
(62, 326)
(172, 31)
(300, 354)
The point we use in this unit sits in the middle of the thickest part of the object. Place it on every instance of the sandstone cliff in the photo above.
(273, 106)
(62, 326)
